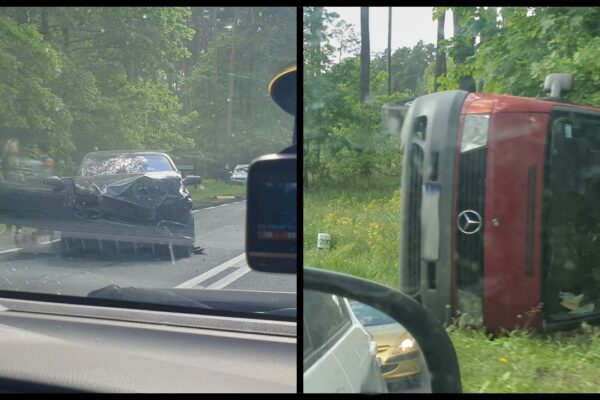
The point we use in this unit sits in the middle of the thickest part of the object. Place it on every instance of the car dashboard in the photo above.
(52, 347)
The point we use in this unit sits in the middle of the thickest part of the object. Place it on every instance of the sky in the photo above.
(409, 25)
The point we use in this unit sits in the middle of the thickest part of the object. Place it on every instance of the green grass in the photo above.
(364, 225)
(364, 228)
(210, 189)
(523, 362)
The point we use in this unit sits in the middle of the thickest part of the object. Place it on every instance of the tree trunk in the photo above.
(170, 80)
(440, 56)
(215, 72)
(389, 54)
(213, 18)
(44, 24)
(195, 22)
(229, 122)
(464, 50)
(316, 28)
(305, 169)
(23, 15)
(365, 53)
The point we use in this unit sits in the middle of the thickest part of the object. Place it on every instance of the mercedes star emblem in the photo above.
(469, 222)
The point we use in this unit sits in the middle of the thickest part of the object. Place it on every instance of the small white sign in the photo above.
(323, 240)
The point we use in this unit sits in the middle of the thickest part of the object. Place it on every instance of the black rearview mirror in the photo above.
(271, 227)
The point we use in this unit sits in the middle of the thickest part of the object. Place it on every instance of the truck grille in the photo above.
(471, 196)
(412, 274)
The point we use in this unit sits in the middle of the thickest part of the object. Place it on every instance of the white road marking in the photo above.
(229, 279)
(212, 272)
(220, 205)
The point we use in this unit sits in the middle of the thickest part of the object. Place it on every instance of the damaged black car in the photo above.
(118, 199)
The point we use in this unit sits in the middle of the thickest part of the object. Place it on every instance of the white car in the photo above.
(239, 174)
(339, 354)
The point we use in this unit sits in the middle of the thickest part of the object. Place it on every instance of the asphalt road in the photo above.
(218, 264)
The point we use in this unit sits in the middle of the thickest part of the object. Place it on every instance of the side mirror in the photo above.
(344, 315)
(271, 217)
(192, 180)
(394, 113)
(55, 182)
(557, 83)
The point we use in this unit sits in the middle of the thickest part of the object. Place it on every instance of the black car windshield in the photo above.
(121, 165)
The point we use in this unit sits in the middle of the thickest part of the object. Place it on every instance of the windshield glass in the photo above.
(452, 154)
(95, 99)
(369, 316)
(119, 165)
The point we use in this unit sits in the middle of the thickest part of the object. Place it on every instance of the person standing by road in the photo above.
(10, 160)
(46, 159)
(10, 169)
(48, 171)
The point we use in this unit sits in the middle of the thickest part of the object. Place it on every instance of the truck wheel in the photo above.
(69, 246)
(182, 251)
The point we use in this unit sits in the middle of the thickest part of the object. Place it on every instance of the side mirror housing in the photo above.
(55, 182)
(192, 180)
(425, 347)
(557, 83)
(271, 217)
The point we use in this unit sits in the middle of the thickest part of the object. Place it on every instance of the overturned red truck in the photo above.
(500, 194)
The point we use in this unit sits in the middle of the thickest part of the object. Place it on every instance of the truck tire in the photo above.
(182, 251)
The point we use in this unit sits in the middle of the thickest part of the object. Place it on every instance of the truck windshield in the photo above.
(572, 217)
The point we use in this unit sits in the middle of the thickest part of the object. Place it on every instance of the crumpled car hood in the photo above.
(151, 197)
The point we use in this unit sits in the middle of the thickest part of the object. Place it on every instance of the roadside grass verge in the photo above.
(365, 224)
(524, 362)
(364, 228)
(209, 189)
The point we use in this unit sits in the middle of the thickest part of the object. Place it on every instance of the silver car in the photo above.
(339, 354)
(239, 174)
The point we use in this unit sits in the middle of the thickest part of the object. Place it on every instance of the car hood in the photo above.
(153, 198)
(149, 190)
(387, 335)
